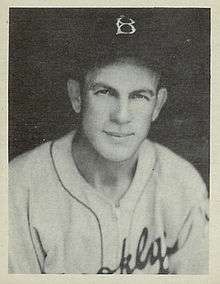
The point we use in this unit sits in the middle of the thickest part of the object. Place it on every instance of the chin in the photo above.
(118, 156)
(114, 151)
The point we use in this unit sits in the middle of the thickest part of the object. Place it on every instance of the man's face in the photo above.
(119, 104)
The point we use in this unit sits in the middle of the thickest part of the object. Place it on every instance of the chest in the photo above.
(97, 237)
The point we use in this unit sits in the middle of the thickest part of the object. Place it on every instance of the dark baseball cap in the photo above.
(167, 38)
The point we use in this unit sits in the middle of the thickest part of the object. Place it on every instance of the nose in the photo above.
(121, 113)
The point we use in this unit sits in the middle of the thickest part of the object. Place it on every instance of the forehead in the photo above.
(124, 76)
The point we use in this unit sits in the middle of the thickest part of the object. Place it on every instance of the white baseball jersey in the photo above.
(58, 223)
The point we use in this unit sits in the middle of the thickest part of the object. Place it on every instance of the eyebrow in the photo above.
(151, 93)
(93, 85)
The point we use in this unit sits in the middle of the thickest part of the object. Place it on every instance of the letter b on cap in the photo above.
(125, 27)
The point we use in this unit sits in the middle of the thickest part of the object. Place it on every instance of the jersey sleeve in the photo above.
(192, 254)
(22, 254)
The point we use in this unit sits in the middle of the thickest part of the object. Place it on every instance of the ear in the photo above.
(161, 99)
(73, 89)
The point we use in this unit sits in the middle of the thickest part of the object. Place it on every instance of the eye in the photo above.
(102, 92)
(139, 96)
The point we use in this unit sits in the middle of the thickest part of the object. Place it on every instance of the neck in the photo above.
(102, 174)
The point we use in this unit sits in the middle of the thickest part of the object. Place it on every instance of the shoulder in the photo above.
(177, 171)
(30, 160)
(32, 173)
(172, 162)
(26, 170)
(36, 162)
(32, 178)
(180, 188)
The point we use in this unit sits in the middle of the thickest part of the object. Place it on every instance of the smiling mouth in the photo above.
(118, 134)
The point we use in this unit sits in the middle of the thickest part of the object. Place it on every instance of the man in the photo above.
(104, 198)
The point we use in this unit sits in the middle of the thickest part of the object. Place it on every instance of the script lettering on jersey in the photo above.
(142, 257)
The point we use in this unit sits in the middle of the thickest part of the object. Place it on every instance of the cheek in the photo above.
(94, 113)
(142, 120)
(143, 113)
